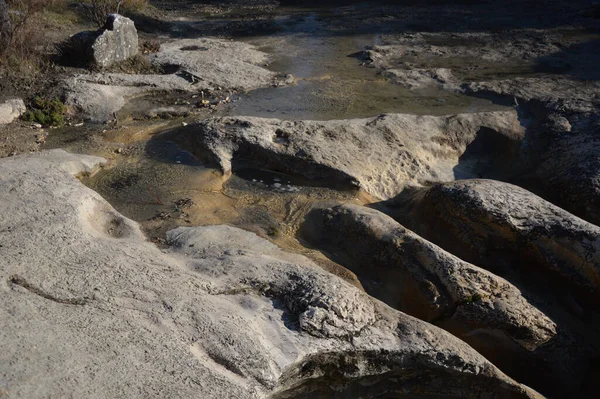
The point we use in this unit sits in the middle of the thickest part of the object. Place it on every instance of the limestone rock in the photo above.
(540, 248)
(117, 42)
(381, 155)
(11, 110)
(100, 96)
(193, 65)
(419, 78)
(513, 327)
(489, 222)
(561, 146)
(564, 165)
(215, 62)
(413, 275)
(91, 309)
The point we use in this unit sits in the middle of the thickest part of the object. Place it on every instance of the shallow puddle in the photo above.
(331, 82)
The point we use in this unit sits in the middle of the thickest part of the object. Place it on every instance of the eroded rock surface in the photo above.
(511, 326)
(418, 277)
(117, 42)
(488, 222)
(189, 65)
(91, 309)
(420, 78)
(381, 155)
(561, 147)
(216, 62)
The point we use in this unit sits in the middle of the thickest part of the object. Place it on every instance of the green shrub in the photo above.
(272, 231)
(46, 111)
(473, 298)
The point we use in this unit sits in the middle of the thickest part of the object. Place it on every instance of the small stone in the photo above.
(11, 110)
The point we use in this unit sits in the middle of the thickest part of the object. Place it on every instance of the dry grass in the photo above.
(26, 57)
(24, 36)
(96, 11)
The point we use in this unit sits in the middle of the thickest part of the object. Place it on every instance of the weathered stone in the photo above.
(117, 42)
(501, 321)
(561, 147)
(417, 277)
(11, 110)
(490, 222)
(91, 309)
(194, 65)
(100, 96)
(420, 78)
(381, 155)
(216, 63)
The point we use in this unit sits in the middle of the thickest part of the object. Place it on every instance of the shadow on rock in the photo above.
(511, 325)
(490, 155)
(579, 61)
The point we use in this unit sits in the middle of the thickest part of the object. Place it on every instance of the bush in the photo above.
(45, 111)
(96, 11)
(20, 33)
(272, 231)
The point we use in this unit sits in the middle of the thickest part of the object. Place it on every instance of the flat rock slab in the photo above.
(89, 308)
(193, 65)
(215, 62)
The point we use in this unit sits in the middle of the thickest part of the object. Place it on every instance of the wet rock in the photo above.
(11, 110)
(420, 78)
(101, 312)
(381, 155)
(168, 112)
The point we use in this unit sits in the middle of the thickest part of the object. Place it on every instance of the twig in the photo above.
(156, 197)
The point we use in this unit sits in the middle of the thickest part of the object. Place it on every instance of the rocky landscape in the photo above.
(260, 199)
